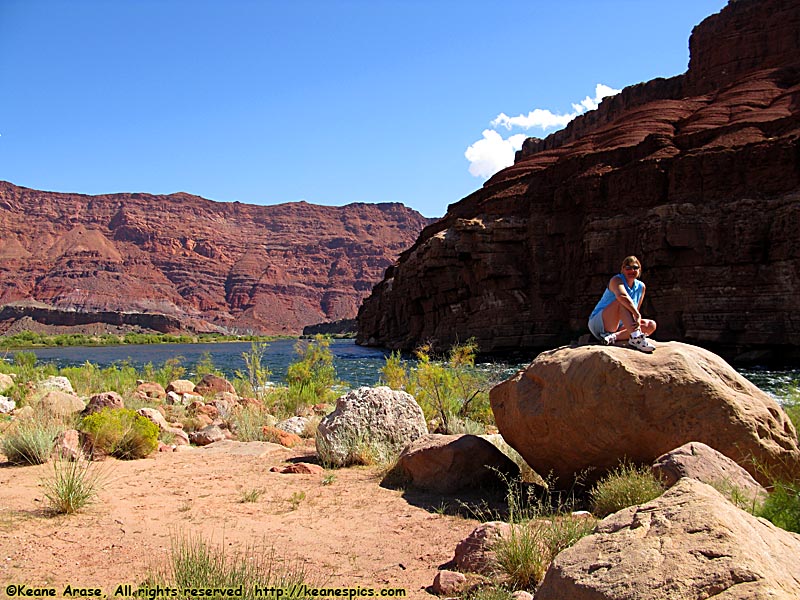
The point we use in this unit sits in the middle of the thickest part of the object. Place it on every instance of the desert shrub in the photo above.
(782, 506)
(394, 373)
(171, 370)
(310, 379)
(195, 563)
(790, 402)
(627, 485)
(30, 441)
(72, 485)
(248, 421)
(450, 391)
(255, 378)
(120, 432)
(205, 366)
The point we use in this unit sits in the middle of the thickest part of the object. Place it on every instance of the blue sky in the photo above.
(328, 101)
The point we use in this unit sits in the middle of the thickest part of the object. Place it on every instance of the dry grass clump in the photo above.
(195, 563)
(627, 485)
(72, 485)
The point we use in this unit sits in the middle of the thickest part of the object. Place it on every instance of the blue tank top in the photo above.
(608, 297)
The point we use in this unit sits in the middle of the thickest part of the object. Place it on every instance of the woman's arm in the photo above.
(618, 289)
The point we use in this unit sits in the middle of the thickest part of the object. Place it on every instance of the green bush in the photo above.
(451, 392)
(255, 378)
(120, 432)
(791, 404)
(782, 506)
(627, 485)
(30, 441)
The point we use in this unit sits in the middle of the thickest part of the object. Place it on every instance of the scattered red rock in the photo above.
(449, 583)
(284, 438)
(151, 390)
(103, 400)
(300, 468)
(212, 384)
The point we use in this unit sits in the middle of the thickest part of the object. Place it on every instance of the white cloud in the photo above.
(493, 152)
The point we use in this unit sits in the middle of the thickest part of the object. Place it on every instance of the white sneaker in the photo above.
(609, 339)
(641, 343)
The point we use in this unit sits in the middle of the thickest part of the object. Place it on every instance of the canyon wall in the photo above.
(202, 265)
(698, 175)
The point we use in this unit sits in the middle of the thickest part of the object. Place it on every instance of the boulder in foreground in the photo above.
(449, 463)
(690, 543)
(590, 407)
(375, 421)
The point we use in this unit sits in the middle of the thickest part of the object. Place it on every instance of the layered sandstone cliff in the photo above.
(698, 175)
(204, 265)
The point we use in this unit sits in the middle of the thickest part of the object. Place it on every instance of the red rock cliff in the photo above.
(698, 175)
(272, 269)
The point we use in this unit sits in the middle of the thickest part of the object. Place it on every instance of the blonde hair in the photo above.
(632, 260)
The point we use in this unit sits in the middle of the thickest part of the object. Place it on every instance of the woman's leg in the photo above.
(613, 314)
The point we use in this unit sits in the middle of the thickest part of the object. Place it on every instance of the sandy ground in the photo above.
(348, 532)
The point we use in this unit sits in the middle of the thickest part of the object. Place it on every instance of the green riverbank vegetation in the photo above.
(30, 339)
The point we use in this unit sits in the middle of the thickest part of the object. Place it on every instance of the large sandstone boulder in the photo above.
(690, 543)
(589, 407)
(449, 463)
(374, 420)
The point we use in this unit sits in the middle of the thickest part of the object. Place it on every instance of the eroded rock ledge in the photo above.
(699, 175)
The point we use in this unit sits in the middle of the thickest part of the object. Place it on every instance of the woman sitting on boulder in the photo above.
(616, 317)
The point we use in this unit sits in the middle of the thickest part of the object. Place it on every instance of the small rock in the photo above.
(198, 408)
(104, 400)
(55, 383)
(300, 468)
(62, 404)
(448, 463)
(522, 595)
(279, 436)
(68, 445)
(211, 384)
(448, 583)
(6, 382)
(6, 405)
(207, 435)
(295, 425)
(703, 463)
(474, 554)
(180, 386)
(151, 390)
(155, 416)
(181, 437)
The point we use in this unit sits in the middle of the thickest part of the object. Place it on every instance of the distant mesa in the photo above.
(698, 175)
(120, 262)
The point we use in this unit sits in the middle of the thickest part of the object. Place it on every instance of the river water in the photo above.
(355, 365)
